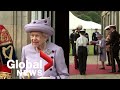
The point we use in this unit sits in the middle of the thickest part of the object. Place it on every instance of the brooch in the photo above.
(48, 51)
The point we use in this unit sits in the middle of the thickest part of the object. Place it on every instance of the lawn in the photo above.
(90, 48)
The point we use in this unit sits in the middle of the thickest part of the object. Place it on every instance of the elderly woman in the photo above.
(40, 31)
(101, 43)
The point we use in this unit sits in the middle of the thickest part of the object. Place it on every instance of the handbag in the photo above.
(101, 51)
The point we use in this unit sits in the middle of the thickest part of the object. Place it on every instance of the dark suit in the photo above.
(72, 38)
(87, 36)
(114, 45)
(77, 35)
(94, 38)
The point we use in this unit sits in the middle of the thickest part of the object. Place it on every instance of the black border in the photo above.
(50, 5)
(62, 33)
(80, 5)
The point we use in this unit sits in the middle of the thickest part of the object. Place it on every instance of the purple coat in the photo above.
(59, 68)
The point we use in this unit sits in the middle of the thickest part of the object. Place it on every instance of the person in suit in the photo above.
(40, 31)
(94, 38)
(114, 47)
(81, 52)
(7, 53)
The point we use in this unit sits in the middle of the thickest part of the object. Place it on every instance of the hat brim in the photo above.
(82, 31)
(107, 29)
(39, 28)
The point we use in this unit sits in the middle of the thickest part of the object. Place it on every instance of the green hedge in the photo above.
(90, 49)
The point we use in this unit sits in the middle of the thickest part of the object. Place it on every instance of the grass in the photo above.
(90, 50)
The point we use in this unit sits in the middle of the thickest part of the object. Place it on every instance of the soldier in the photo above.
(108, 46)
(114, 47)
(77, 35)
(7, 52)
(86, 35)
(81, 51)
(72, 39)
(94, 38)
(40, 31)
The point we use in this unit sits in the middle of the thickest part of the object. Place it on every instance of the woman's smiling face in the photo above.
(38, 38)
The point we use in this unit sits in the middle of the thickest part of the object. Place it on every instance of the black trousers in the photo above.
(76, 61)
(115, 57)
(82, 58)
(108, 55)
(95, 50)
(74, 49)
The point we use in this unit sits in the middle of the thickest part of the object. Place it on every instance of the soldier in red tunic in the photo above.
(7, 52)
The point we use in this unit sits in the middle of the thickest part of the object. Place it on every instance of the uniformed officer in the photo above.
(86, 35)
(114, 47)
(94, 38)
(77, 35)
(81, 51)
(7, 52)
(40, 31)
(72, 39)
(108, 46)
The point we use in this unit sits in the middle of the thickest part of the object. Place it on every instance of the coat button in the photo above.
(52, 57)
(34, 22)
(53, 51)
(50, 69)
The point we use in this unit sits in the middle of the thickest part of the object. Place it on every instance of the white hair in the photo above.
(45, 35)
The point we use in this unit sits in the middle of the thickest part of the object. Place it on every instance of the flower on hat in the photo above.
(42, 25)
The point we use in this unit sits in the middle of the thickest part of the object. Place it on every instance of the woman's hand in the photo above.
(92, 42)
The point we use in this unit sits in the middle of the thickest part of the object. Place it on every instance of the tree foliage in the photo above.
(94, 16)
(85, 17)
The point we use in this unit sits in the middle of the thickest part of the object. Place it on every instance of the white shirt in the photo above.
(81, 41)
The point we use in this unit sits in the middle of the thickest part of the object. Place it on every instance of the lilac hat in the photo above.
(42, 25)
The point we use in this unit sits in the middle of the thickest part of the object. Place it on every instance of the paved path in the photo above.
(93, 60)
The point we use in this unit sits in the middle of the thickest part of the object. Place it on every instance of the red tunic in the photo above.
(7, 52)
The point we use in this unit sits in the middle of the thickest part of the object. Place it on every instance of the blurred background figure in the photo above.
(94, 38)
(72, 39)
(86, 35)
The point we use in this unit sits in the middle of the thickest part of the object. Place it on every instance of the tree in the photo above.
(95, 17)
(84, 17)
